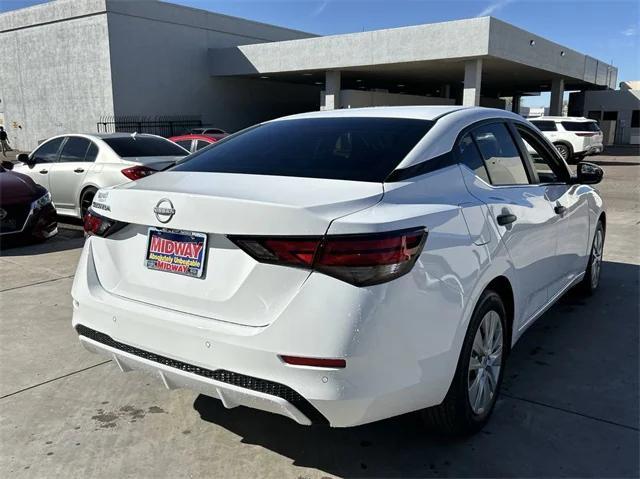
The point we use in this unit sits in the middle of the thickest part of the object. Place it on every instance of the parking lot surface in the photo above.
(569, 405)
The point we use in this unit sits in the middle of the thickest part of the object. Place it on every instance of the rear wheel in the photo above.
(85, 201)
(564, 151)
(591, 278)
(476, 384)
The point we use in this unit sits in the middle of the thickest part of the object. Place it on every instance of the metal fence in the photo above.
(166, 126)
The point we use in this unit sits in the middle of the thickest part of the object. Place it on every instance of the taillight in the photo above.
(98, 225)
(361, 259)
(137, 172)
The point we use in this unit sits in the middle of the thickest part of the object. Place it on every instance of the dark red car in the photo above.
(194, 142)
(25, 207)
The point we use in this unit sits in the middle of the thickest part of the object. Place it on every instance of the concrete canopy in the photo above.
(422, 59)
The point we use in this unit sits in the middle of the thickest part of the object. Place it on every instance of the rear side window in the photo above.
(140, 146)
(186, 144)
(200, 144)
(75, 149)
(501, 155)
(48, 153)
(545, 125)
(580, 126)
(357, 149)
(470, 156)
(92, 152)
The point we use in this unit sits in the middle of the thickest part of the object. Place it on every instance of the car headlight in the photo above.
(42, 201)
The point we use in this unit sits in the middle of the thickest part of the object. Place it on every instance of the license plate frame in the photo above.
(168, 257)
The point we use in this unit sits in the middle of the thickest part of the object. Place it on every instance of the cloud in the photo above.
(630, 32)
(493, 7)
(320, 8)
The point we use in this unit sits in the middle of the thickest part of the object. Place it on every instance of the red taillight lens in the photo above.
(137, 172)
(98, 225)
(315, 362)
(361, 260)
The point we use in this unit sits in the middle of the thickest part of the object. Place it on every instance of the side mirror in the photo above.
(7, 165)
(24, 158)
(589, 174)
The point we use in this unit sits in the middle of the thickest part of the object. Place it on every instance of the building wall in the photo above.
(160, 66)
(595, 103)
(360, 99)
(55, 75)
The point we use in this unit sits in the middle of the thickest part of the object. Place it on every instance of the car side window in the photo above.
(74, 150)
(186, 144)
(545, 125)
(547, 169)
(92, 152)
(200, 144)
(470, 157)
(501, 155)
(47, 153)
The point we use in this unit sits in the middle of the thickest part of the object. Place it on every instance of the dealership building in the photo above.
(79, 65)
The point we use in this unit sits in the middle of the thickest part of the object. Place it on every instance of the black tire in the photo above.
(565, 152)
(591, 280)
(85, 201)
(455, 416)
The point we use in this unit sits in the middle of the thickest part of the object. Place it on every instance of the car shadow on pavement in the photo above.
(66, 239)
(556, 416)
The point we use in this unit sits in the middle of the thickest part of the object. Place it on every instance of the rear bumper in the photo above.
(231, 388)
(396, 362)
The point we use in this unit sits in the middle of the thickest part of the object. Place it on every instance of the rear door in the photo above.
(569, 204)
(67, 176)
(522, 214)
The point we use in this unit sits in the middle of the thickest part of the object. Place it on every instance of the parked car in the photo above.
(193, 143)
(25, 207)
(574, 137)
(73, 167)
(342, 267)
(216, 133)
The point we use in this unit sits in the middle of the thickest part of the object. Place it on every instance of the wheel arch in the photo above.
(84, 189)
(502, 286)
(565, 143)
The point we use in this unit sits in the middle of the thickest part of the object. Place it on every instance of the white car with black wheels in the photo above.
(342, 267)
(73, 167)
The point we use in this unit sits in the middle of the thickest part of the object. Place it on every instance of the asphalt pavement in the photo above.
(569, 406)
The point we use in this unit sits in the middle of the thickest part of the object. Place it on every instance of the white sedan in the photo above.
(342, 267)
(74, 167)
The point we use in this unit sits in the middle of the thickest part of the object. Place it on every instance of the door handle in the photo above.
(560, 209)
(79, 170)
(506, 219)
(44, 172)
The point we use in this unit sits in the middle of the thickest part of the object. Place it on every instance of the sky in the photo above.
(608, 30)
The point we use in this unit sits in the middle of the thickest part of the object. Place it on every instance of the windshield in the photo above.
(140, 146)
(357, 149)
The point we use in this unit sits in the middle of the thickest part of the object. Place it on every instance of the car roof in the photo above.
(193, 136)
(430, 112)
(560, 118)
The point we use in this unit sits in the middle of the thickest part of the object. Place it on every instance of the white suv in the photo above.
(574, 137)
(74, 167)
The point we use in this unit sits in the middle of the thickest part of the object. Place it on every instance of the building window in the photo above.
(635, 119)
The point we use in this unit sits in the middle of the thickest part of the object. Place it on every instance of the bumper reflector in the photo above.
(315, 362)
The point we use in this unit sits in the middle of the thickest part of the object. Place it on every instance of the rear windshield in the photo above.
(129, 146)
(358, 149)
(580, 125)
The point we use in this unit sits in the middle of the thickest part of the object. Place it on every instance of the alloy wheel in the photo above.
(485, 363)
(596, 258)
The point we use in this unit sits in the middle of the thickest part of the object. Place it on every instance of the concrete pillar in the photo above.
(557, 95)
(472, 82)
(445, 91)
(515, 103)
(332, 90)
